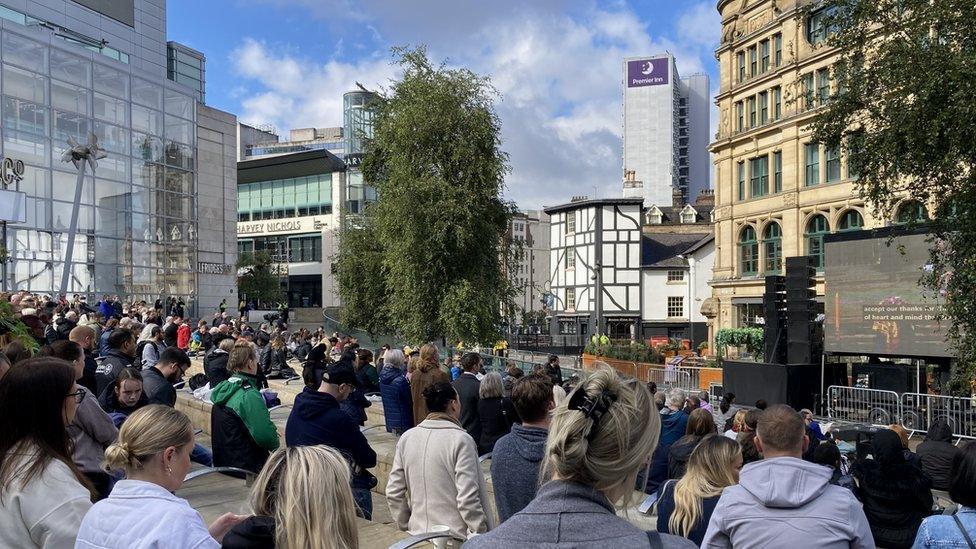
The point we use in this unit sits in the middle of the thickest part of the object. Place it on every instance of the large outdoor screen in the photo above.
(875, 303)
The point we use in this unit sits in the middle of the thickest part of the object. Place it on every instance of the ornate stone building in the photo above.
(776, 192)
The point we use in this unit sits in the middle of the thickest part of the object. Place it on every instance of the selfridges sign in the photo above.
(280, 226)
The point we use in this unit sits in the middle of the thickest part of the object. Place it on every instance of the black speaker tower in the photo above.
(801, 293)
(774, 312)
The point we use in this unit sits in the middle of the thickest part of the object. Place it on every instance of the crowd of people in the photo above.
(93, 449)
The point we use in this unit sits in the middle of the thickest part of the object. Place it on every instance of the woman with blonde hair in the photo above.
(153, 449)
(738, 424)
(686, 505)
(301, 498)
(426, 373)
(600, 437)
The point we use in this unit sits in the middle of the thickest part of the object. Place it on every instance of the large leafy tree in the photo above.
(427, 259)
(256, 280)
(905, 113)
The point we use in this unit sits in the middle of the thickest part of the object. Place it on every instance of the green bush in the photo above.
(634, 351)
(750, 338)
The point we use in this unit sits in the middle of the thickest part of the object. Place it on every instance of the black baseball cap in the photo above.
(338, 373)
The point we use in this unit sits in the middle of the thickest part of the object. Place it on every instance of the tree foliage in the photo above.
(427, 259)
(905, 113)
(255, 279)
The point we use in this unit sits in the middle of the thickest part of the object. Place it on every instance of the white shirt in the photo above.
(47, 511)
(143, 515)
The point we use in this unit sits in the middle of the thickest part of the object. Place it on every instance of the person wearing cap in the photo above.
(317, 418)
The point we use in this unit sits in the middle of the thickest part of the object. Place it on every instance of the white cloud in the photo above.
(557, 66)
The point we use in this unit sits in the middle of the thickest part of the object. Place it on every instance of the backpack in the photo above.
(141, 347)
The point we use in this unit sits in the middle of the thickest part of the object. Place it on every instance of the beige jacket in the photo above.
(436, 480)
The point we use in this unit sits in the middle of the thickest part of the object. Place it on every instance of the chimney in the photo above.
(677, 197)
(578, 198)
(706, 198)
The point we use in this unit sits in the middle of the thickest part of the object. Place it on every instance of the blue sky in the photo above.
(556, 63)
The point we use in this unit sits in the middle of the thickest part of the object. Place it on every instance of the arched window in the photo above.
(816, 229)
(911, 211)
(850, 221)
(773, 248)
(748, 252)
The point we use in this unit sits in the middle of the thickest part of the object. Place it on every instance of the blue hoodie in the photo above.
(515, 463)
(317, 419)
(673, 427)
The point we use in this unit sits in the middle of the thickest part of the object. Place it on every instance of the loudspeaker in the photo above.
(774, 311)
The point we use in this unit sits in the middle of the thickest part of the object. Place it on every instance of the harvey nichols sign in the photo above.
(280, 226)
(647, 72)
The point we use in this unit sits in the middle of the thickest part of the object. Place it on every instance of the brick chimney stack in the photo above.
(706, 198)
(677, 198)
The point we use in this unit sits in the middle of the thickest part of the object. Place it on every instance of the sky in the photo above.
(555, 63)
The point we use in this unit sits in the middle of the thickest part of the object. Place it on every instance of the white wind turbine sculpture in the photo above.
(80, 156)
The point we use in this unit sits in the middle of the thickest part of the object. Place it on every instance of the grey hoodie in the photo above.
(515, 462)
(787, 502)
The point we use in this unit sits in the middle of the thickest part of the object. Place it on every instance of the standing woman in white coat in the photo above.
(436, 479)
(43, 496)
(154, 451)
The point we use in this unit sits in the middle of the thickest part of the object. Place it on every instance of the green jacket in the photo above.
(240, 393)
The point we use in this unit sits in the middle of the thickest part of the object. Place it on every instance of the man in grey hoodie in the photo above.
(516, 457)
(783, 501)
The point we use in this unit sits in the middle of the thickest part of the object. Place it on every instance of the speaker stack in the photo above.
(801, 293)
(774, 313)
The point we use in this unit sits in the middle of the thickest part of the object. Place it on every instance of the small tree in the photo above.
(905, 114)
(427, 259)
(255, 279)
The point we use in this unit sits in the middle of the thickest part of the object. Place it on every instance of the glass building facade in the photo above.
(188, 67)
(284, 198)
(357, 125)
(137, 218)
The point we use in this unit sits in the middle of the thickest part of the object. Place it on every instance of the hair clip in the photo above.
(591, 408)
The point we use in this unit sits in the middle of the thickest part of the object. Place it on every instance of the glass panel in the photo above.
(179, 181)
(63, 186)
(69, 124)
(61, 217)
(24, 116)
(70, 68)
(110, 81)
(110, 109)
(69, 97)
(24, 84)
(147, 147)
(147, 174)
(110, 221)
(147, 120)
(147, 93)
(179, 155)
(35, 182)
(27, 146)
(180, 105)
(178, 129)
(24, 52)
(113, 139)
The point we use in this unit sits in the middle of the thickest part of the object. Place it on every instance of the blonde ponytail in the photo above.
(145, 433)
(711, 468)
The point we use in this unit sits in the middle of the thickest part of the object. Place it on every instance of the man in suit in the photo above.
(467, 386)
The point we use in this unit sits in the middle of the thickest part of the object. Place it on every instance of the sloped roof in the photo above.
(662, 250)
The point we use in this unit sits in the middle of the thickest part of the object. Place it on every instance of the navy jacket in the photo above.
(665, 507)
(673, 427)
(317, 419)
(397, 402)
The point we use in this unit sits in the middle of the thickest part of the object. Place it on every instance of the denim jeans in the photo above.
(364, 501)
(201, 455)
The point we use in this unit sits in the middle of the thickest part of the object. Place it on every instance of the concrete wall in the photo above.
(216, 207)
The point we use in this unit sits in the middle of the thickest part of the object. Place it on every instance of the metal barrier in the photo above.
(669, 379)
(920, 411)
(859, 405)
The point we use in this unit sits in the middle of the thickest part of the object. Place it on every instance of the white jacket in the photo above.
(436, 480)
(47, 511)
(143, 515)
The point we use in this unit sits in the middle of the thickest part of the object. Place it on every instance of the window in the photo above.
(816, 229)
(741, 59)
(823, 86)
(741, 167)
(570, 258)
(820, 25)
(778, 49)
(752, 112)
(567, 327)
(570, 222)
(688, 217)
(753, 63)
(812, 153)
(773, 248)
(759, 170)
(764, 56)
(777, 171)
(305, 249)
(911, 211)
(832, 161)
(738, 116)
(748, 252)
(763, 107)
(676, 276)
(850, 221)
(808, 91)
(777, 100)
(570, 299)
(676, 306)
